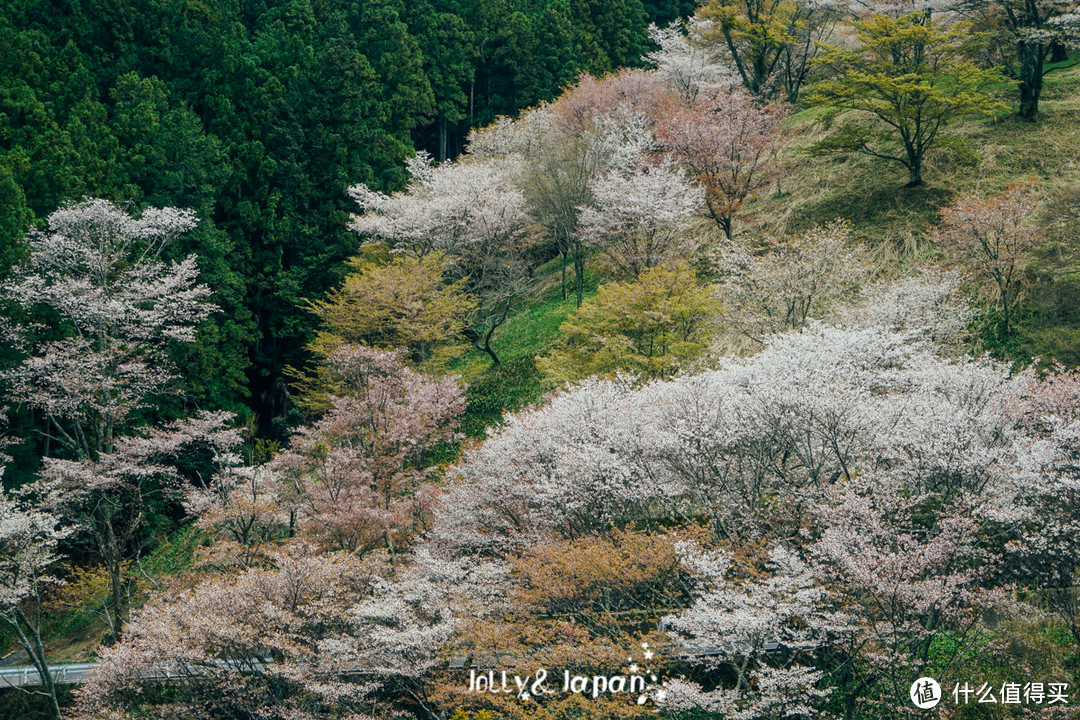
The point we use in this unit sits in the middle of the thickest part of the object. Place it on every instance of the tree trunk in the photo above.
(483, 344)
(1058, 52)
(724, 222)
(110, 555)
(30, 638)
(491, 353)
(1031, 57)
(914, 172)
(442, 137)
(563, 255)
(1029, 102)
(1006, 313)
(725, 225)
(579, 270)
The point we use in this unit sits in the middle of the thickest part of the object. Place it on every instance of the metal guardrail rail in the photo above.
(67, 674)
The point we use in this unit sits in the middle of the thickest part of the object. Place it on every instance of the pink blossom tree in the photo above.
(359, 477)
(107, 497)
(256, 643)
(903, 571)
(244, 511)
(729, 142)
(991, 240)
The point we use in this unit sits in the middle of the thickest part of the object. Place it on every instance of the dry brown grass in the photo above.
(893, 219)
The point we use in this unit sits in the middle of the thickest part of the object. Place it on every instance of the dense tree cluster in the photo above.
(283, 286)
(848, 495)
(258, 116)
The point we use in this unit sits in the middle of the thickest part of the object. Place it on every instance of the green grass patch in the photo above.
(508, 387)
(527, 334)
(515, 382)
(176, 554)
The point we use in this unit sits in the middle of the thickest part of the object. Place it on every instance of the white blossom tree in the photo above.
(642, 218)
(28, 542)
(742, 623)
(472, 211)
(96, 271)
(1044, 509)
(684, 63)
(780, 283)
(852, 472)
(313, 636)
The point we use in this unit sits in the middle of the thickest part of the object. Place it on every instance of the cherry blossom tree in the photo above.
(471, 211)
(641, 219)
(315, 635)
(928, 303)
(684, 63)
(1043, 518)
(780, 283)
(258, 642)
(621, 96)
(786, 420)
(991, 240)
(107, 497)
(513, 139)
(903, 570)
(98, 272)
(358, 477)
(855, 612)
(28, 542)
(244, 512)
(729, 143)
(739, 622)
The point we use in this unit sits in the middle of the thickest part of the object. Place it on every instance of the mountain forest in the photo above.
(540, 359)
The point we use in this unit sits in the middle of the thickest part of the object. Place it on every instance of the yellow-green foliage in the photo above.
(650, 327)
(402, 302)
(911, 74)
(388, 301)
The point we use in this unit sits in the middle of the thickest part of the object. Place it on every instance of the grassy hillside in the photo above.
(984, 157)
